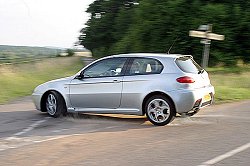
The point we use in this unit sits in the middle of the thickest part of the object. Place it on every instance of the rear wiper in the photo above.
(201, 71)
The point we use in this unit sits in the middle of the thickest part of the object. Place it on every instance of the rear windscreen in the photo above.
(188, 65)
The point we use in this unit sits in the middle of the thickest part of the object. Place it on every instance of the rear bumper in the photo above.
(187, 100)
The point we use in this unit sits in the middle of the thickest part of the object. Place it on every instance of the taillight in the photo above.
(185, 79)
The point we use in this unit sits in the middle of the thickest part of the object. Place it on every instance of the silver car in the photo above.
(158, 85)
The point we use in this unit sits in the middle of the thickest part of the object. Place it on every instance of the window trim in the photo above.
(130, 62)
(96, 63)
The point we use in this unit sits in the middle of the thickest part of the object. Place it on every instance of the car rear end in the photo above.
(194, 89)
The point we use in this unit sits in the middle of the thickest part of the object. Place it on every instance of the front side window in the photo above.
(105, 68)
(141, 66)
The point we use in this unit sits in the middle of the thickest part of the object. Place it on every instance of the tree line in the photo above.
(127, 26)
(18, 52)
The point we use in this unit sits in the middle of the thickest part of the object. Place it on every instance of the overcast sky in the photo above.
(42, 22)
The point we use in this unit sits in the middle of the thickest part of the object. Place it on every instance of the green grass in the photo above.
(231, 84)
(20, 79)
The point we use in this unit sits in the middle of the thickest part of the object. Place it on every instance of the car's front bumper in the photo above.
(186, 100)
(36, 97)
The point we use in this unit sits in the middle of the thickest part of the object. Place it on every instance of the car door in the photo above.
(100, 85)
(141, 75)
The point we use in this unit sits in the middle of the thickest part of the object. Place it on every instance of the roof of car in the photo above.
(149, 55)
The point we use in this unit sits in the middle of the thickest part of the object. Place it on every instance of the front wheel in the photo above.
(55, 104)
(159, 110)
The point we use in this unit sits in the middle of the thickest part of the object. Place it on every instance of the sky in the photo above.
(53, 23)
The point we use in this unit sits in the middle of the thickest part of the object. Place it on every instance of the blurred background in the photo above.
(43, 40)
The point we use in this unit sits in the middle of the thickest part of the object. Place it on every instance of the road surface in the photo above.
(219, 135)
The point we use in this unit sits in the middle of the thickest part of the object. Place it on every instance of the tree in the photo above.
(152, 26)
(70, 52)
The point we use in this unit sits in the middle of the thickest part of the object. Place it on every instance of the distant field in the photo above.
(9, 54)
(20, 79)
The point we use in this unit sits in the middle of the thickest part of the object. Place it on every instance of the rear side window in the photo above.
(188, 65)
(141, 66)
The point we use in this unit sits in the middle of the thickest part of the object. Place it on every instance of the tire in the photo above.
(55, 105)
(160, 110)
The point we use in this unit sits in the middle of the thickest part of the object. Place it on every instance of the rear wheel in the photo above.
(55, 104)
(159, 110)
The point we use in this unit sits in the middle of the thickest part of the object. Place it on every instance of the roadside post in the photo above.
(205, 32)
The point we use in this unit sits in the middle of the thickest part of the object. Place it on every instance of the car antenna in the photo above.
(172, 44)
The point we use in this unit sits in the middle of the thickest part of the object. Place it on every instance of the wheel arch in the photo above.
(153, 94)
(43, 99)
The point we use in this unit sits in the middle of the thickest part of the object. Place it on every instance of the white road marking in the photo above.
(226, 155)
(16, 139)
(70, 135)
(29, 141)
(59, 130)
(31, 127)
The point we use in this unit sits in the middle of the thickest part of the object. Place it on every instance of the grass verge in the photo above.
(231, 84)
(19, 80)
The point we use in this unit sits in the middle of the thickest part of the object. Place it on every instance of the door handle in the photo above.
(116, 81)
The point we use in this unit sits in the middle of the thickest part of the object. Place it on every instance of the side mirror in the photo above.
(79, 77)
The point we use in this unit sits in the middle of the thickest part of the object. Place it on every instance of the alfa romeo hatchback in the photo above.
(158, 85)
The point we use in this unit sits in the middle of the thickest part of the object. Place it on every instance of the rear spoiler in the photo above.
(184, 56)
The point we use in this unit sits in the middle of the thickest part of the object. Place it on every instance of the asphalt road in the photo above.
(219, 135)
